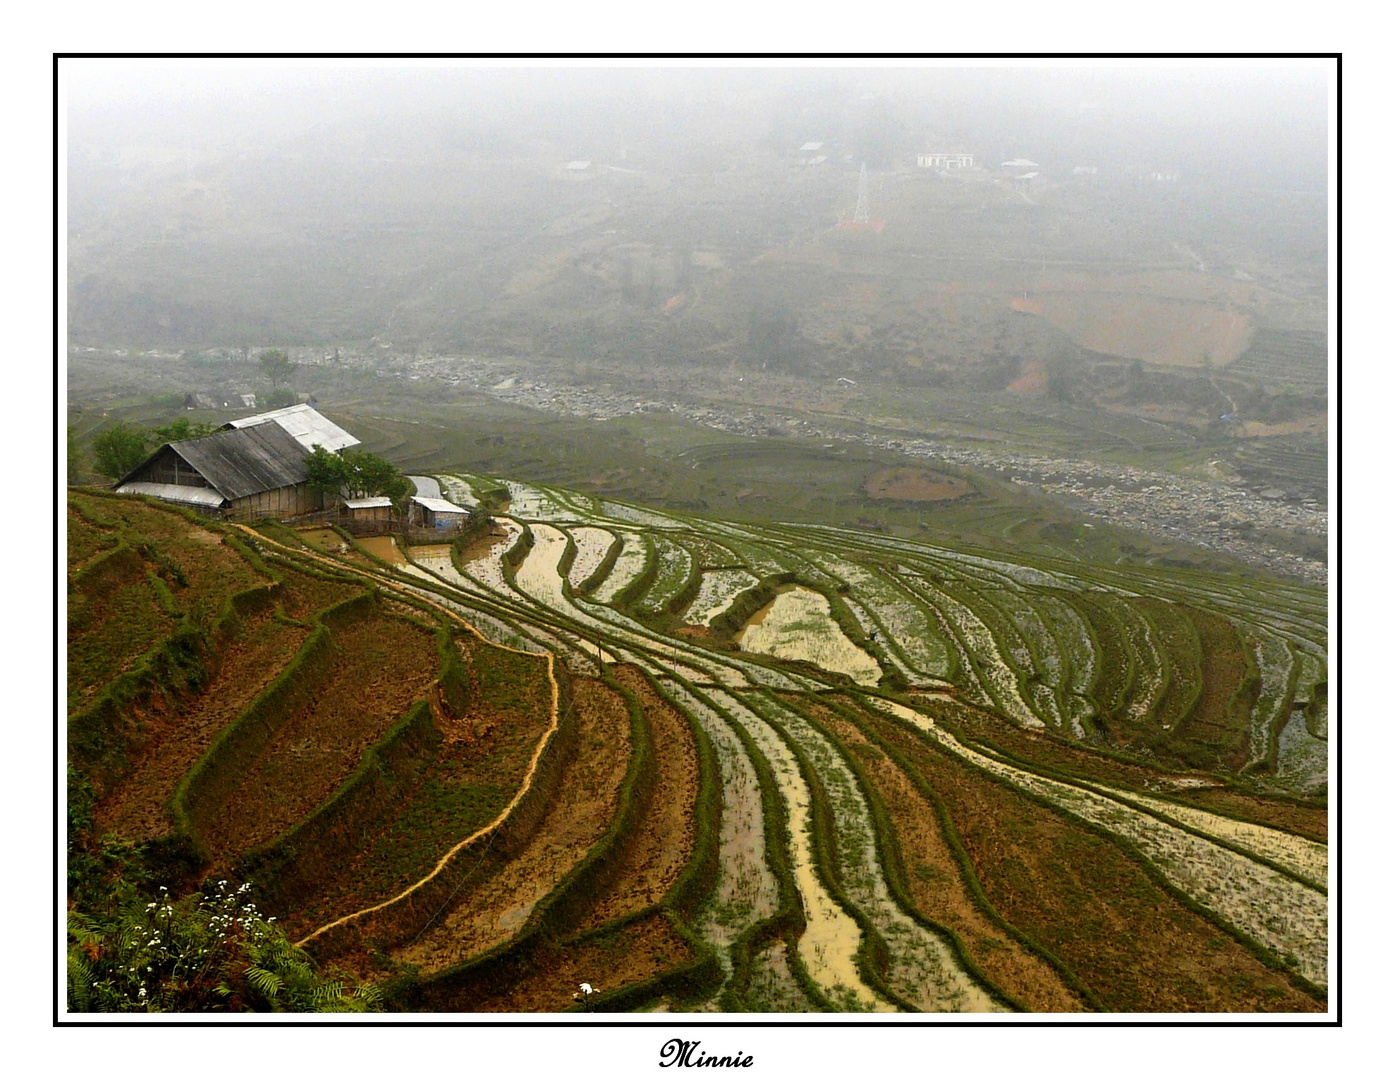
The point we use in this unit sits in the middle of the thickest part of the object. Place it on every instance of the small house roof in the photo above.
(309, 427)
(577, 166)
(180, 493)
(439, 506)
(810, 146)
(369, 503)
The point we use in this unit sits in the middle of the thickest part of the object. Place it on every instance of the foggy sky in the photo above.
(1250, 124)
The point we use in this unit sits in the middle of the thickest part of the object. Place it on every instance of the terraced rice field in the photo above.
(719, 588)
(797, 625)
(715, 767)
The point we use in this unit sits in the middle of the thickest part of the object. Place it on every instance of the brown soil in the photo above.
(1088, 902)
(486, 540)
(138, 808)
(1217, 732)
(483, 756)
(1046, 750)
(1159, 329)
(937, 887)
(1031, 383)
(108, 633)
(549, 977)
(85, 540)
(385, 548)
(493, 906)
(382, 665)
(305, 594)
(213, 569)
(915, 485)
(652, 859)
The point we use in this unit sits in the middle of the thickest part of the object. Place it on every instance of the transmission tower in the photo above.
(863, 212)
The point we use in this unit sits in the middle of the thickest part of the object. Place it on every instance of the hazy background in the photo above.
(208, 204)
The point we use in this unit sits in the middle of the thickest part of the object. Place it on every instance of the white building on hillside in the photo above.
(945, 160)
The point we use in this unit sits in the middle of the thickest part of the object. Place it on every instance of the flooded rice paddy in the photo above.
(798, 625)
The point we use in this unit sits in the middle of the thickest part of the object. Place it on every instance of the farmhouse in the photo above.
(255, 467)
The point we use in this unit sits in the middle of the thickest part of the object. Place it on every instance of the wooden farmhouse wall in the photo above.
(280, 502)
(169, 468)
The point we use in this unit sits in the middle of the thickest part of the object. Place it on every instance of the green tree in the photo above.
(327, 473)
(179, 430)
(370, 474)
(356, 474)
(203, 953)
(276, 366)
(118, 450)
(74, 456)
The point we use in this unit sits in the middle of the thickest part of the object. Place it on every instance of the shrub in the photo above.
(118, 450)
(210, 952)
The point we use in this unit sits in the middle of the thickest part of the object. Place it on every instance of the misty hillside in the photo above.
(434, 211)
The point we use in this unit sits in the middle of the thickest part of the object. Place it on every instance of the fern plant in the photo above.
(209, 952)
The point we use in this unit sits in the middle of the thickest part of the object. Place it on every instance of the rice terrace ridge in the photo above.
(698, 543)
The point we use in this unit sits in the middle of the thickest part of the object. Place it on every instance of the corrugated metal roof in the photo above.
(309, 427)
(191, 496)
(439, 506)
(247, 461)
(368, 504)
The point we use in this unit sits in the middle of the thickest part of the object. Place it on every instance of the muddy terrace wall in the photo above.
(729, 623)
(567, 903)
(890, 857)
(103, 736)
(599, 869)
(699, 877)
(208, 784)
(401, 921)
(692, 979)
(297, 864)
(454, 681)
(602, 571)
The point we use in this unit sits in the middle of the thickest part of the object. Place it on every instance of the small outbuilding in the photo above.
(376, 508)
(429, 513)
